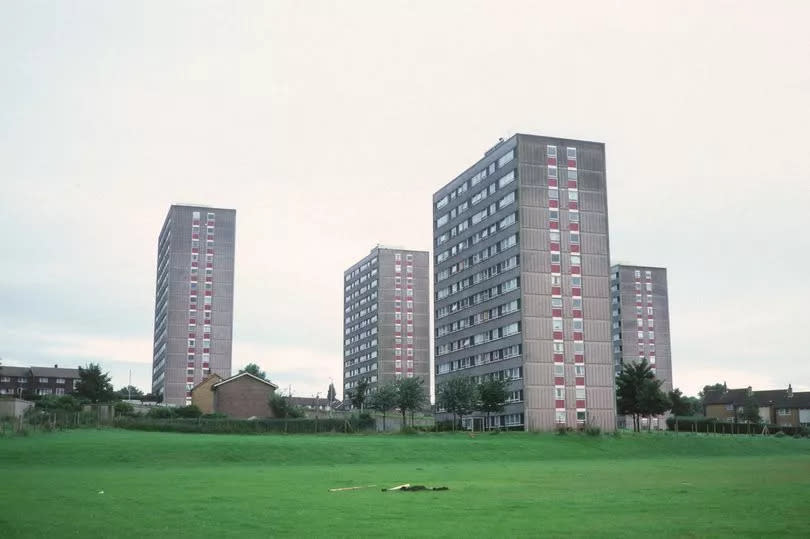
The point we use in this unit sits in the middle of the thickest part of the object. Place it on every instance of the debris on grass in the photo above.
(407, 487)
(341, 489)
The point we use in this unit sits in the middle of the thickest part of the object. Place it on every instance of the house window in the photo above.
(60, 381)
(43, 380)
(784, 411)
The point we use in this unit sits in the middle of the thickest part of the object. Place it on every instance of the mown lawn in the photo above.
(509, 485)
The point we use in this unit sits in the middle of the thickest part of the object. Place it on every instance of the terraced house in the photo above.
(783, 407)
(521, 281)
(27, 382)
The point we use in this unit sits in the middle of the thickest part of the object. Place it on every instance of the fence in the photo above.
(712, 425)
(246, 426)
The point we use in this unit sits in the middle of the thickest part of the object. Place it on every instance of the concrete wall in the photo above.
(14, 407)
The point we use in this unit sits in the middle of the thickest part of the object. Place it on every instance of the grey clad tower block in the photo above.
(640, 303)
(386, 325)
(522, 284)
(193, 300)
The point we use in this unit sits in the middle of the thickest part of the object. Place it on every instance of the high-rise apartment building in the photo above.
(641, 319)
(386, 325)
(522, 283)
(193, 300)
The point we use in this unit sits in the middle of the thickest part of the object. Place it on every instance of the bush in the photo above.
(190, 411)
(123, 408)
(245, 426)
(214, 416)
(593, 430)
(159, 412)
(562, 430)
(779, 434)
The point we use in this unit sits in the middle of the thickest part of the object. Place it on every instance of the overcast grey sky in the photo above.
(304, 115)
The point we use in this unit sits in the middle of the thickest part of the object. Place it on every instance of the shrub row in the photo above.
(207, 425)
(713, 425)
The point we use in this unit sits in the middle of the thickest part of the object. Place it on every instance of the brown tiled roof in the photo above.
(54, 372)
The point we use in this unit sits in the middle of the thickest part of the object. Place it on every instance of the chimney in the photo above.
(725, 387)
(790, 391)
(56, 366)
(748, 391)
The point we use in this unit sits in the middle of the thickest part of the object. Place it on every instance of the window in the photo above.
(506, 158)
(555, 280)
(559, 369)
(441, 221)
(574, 237)
(60, 381)
(506, 179)
(573, 216)
(580, 393)
(783, 411)
(637, 274)
(557, 324)
(571, 153)
(553, 193)
(573, 195)
(43, 380)
(559, 348)
(579, 370)
(559, 417)
(554, 235)
(580, 417)
(551, 151)
(559, 393)
(648, 274)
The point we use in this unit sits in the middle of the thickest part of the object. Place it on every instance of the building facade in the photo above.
(28, 382)
(640, 318)
(521, 281)
(193, 300)
(386, 325)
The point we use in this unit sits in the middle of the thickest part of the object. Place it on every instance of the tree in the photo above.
(493, 394)
(459, 396)
(93, 385)
(255, 370)
(384, 399)
(681, 404)
(750, 410)
(410, 396)
(638, 393)
(331, 394)
(359, 394)
(126, 391)
(282, 407)
(652, 400)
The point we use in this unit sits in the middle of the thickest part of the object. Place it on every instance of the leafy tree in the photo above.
(359, 394)
(410, 396)
(681, 404)
(384, 399)
(331, 394)
(124, 408)
(459, 396)
(255, 370)
(94, 385)
(63, 403)
(750, 410)
(493, 394)
(638, 393)
(126, 391)
(190, 411)
(652, 400)
(282, 406)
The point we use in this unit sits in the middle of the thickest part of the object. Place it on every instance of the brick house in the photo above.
(202, 395)
(241, 396)
(28, 382)
(782, 407)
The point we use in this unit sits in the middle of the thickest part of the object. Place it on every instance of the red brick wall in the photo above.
(242, 398)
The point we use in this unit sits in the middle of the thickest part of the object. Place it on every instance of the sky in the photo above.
(315, 119)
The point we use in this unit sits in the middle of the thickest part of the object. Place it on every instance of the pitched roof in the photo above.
(313, 401)
(54, 372)
(769, 397)
(6, 370)
(207, 379)
(237, 376)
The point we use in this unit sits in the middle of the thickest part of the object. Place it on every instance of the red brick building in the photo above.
(242, 396)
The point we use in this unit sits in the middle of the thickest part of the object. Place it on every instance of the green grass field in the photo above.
(509, 485)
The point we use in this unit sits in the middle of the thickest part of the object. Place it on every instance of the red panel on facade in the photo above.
(572, 205)
(574, 247)
(207, 292)
(580, 380)
(579, 358)
(556, 312)
(190, 349)
(554, 246)
(206, 350)
(558, 358)
(555, 268)
(189, 378)
(577, 335)
(192, 320)
(192, 335)
(397, 309)
(559, 381)
(397, 334)
(552, 161)
(209, 279)
(553, 203)
(576, 291)
(195, 236)
(556, 291)
(410, 334)
(576, 313)
(205, 365)
(209, 251)
(190, 365)
(580, 403)
(554, 225)
(206, 335)
(552, 182)
(572, 184)
(209, 265)
(559, 404)
(194, 250)
(575, 270)
(193, 264)
(573, 227)
(195, 222)
(572, 163)
(558, 335)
